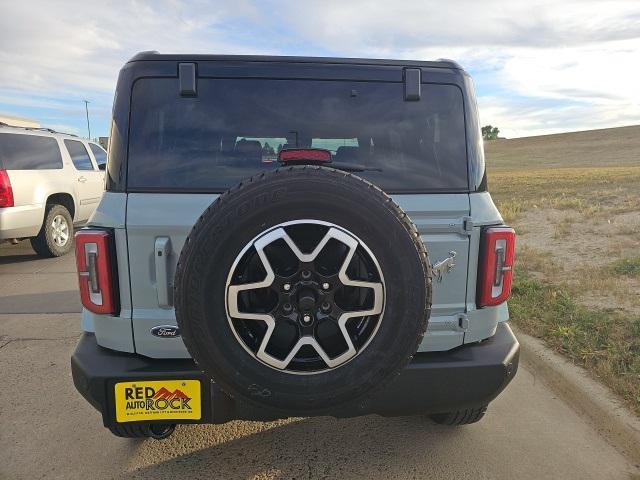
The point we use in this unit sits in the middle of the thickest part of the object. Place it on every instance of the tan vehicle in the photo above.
(49, 181)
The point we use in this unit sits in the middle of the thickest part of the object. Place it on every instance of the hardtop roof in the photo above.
(156, 56)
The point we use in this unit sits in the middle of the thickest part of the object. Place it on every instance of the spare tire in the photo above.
(303, 289)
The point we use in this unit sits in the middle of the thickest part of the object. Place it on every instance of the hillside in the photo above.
(590, 148)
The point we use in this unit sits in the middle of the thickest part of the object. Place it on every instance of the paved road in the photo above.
(49, 431)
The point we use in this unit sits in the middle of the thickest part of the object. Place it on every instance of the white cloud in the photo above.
(540, 65)
(47, 48)
(575, 62)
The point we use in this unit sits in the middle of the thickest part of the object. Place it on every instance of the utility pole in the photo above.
(86, 108)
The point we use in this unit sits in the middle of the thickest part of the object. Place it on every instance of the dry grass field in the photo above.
(574, 200)
(590, 148)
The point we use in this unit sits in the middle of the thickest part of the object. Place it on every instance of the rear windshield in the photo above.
(235, 128)
(29, 152)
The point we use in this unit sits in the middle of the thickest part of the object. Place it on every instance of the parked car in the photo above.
(49, 182)
(366, 271)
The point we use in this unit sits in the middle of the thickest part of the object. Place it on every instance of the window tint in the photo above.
(99, 153)
(234, 128)
(79, 155)
(29, 152)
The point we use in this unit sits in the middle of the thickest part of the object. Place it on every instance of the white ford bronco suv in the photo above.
(286, 236)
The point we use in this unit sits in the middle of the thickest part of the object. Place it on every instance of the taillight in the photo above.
(93, 259)
(6, 192)
(495, 273)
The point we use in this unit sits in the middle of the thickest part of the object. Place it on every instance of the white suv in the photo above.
(49, 181)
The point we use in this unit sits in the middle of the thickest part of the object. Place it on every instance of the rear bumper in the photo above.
(466, 377)
(20, 222)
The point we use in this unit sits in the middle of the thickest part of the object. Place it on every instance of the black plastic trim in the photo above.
(187, 79)
(469, 376)
(153, 56)
(412, 81)
(221, 191)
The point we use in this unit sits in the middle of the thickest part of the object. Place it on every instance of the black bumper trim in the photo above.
(469, 376)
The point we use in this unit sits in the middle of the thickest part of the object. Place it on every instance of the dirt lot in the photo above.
(578, 260)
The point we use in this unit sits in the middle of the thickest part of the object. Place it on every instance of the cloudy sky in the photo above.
(539, 66)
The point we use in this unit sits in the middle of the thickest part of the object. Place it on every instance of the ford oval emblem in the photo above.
(165, 331)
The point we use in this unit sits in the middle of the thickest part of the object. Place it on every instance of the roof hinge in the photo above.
(467, 225)
(463, 322)
(412, 80)
(187, 79)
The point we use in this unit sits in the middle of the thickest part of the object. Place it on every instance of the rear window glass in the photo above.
(235, 128)
(99, 154)
(79, 155)
(29, 152)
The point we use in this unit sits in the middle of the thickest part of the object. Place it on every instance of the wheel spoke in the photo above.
(312, 342)
(375, 286)
(233, 290)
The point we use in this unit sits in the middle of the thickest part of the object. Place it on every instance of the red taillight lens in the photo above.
(293, 155)
(93, 259)
(495, 274)
(6, 192)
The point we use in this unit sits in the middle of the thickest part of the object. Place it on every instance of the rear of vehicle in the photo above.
(48, 182)
(186, 130)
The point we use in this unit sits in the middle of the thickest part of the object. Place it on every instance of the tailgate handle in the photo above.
(164, 287)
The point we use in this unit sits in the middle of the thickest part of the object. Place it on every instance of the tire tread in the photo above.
(460, 417)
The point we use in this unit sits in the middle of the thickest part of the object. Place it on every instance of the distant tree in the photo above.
(268, 149)
(489, 132)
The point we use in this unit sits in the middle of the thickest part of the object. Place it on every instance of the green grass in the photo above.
(604, 341)
(628, 267)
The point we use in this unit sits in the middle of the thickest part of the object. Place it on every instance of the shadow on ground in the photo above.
(17, 258)
(366, 447)
(65, 301)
